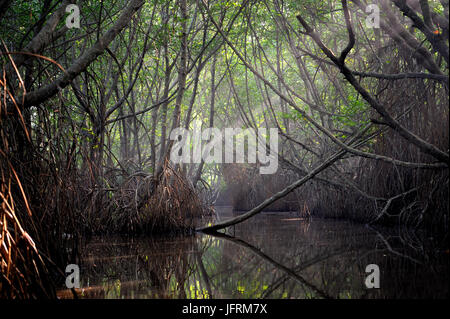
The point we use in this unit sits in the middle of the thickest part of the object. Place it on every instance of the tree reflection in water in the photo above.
(270, 256)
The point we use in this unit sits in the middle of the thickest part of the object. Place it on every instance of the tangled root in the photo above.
(169, 203)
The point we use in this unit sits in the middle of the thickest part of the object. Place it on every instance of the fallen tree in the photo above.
(233, 221)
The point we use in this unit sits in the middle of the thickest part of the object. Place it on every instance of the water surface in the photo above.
(272, 255)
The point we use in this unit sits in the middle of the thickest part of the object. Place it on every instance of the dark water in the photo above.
(269, 256)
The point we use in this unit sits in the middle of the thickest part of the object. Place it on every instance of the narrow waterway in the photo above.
(273, 255)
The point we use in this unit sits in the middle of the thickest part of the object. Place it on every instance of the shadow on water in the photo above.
(270, 256)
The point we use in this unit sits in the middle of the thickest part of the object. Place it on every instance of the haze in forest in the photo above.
(346, 103)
